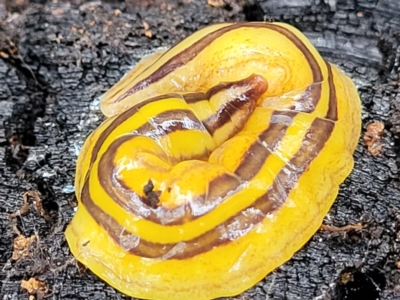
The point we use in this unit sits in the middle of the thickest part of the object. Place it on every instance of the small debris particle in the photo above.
(398, 265)
(147, 31)
(346, 277)
(148, 187)
(372, 138)
(57, 12)
(22, 245)
(3, 54)
(151, 197)
(341, 229)
(19, 151)
(59, 38)
(35, 287)
(360, 14)
(216, 3)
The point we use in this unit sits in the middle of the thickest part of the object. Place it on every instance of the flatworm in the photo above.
(218, 161)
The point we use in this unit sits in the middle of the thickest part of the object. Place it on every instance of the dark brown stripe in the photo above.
(170, 121)
(332, 109)
(194, 97)
(244, 95)
(218, 188)
(122, 118)
(256, 83)
(258, 152)
(314, 141)
(244, 221)
(225, 113)
(191, 52)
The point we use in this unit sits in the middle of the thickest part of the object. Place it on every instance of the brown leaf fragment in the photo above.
(372, 137)
(35, 287)
(216, 3)
(22, 246)
(341, 229)
(148, 33)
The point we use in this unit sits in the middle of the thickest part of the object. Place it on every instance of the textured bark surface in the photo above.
(56, 57)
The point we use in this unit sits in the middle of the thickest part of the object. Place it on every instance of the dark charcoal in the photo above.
(57, 56)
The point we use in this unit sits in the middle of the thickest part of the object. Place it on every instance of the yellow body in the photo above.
(183, 164)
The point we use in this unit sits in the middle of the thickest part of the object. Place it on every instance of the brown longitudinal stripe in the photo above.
(244, 96)
(191, 52)
(194, 97)
(170, 121)
(217, 190)
(313, 143)
(252, 161)
(332, 108)
(254, 83)
(120, 119)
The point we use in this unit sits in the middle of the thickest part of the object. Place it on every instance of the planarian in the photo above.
(218, 161)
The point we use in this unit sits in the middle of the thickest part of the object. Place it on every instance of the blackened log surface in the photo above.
(57, 56)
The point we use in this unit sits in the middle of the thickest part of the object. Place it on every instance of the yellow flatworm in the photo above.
(218, 161)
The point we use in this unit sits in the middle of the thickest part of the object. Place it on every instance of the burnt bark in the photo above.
(56, 57)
